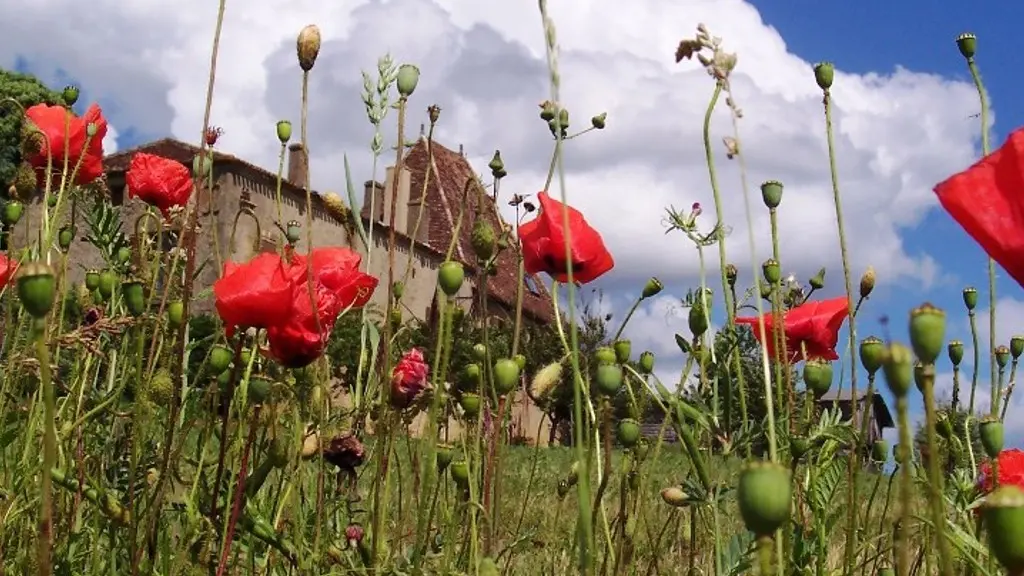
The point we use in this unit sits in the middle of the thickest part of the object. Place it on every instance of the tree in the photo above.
(27, 91)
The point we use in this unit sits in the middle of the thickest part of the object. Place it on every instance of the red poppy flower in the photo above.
(813, 325)
(7, 269)
(60, 128)
(408, 378)
(543, 240)
(1011, 470)
(987, 201)
(158, 181)
(257, 294)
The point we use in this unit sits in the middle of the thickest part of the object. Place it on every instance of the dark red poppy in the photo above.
(257, 294)
(408, 378)
(345, 451)
(1011, 470)
(61, 129)
(7, 269)
(813, 326)
(543, 240)
(158, 181)
(987, 201)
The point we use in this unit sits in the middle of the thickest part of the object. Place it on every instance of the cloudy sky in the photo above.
(904, 108)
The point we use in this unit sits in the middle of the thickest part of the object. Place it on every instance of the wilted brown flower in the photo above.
(345, 451)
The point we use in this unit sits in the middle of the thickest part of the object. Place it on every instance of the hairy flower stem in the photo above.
(49, 447)
(783, 382)
(972, 318)
(986, 150)
(906, 487)
(935, 481)
(851, 533)
(236, 506)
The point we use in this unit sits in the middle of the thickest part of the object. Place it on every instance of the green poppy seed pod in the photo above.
(444, 456)
(1016, 346)
(91, 129)
(64, 238)
(496, 164)
(900, 454)
(955, 348)
(771, 193)
(764, 495)
(604, 355)
(307, 47)
(450, 277)
(284, 131)
(675, 497)
(598, 122)
(652, 288)
(12, 212)
(201, 164)
(70, 95)
(408, 78)
(927, 332)
(608, 379)
(134, 296)
(872, 354)
(506, 376)
(818, 377)
(460, 473)
(470, 403)
(92, 279)
(483, 240)
(818, 280)
(293, 232)
(880, 451)
(259, 388)
(991, 432)
(220, 359)
(824, 74)
(628, 432)
(867, 282)
(970, 298)
(1003, 515)
(124, 254)
(772, 271)
(646, 362)
(398, 290)
(1002, 356)
(731, 272)
(623, 351)
(520, 361)
(898, 369)
(766, 291)
(967, 43)
(919, 374)
(479, 352)
(175, 313)
(37, 288)
(798, 446)
(471, 377)
(698, 320)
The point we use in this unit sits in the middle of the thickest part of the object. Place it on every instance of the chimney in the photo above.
(375, 199)
(298, 164)
(402, 204)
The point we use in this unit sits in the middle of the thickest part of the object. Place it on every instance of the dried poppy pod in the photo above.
(307, 47)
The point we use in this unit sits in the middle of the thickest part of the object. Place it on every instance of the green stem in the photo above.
(49, 447)
(936, 478)
(972, 318)
(764, 555)
(906, 496)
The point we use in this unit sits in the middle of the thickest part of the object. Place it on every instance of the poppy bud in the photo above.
(943, 425)
(92, 279)
(396, 317)
(698, 321)
(991, 432)
(967, 43)
(52, 201)
(771, 193)
(956, 352)
(598, 122)
(927, 332)
(824, 73)
(880, 451)
(872, 354)
(623, 350)
(134, 296)
(766, 291)
(433, 113)
(867, 282)
(818, 376)
(408, 78)
(307, 47)
(37, 288)
(547, 111)
(798, 446)
(471, 377)
(1016, 346)
(628, 432)
(818, 280)
(444, 456)
(284, 131)
(450, 277)
(70, 95)
(483, 239)
(496, 164)
(460, 473)
(259, 388)
(506, 376)
(175, 313)
(731, 272)
(479, 352)
(898, 369)
(1002, 356)
(772, 271)
(1003, 514)
(220, 359)
(293, 232)
(470, 403)
(12, 212)
(124, 254)
(764, 495)
(652, 288)
(545, 380)
(604, 355)
(971, 298)
(520, 361)
(646, 362)
(675, 497)
(609, 379)
(563, 119)
(201, 164)
(64, 238)
(919, 374)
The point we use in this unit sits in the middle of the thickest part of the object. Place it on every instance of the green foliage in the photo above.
(27, 91)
